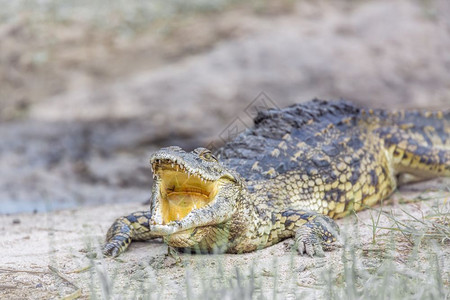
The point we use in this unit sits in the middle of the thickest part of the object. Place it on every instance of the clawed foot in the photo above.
(111, 248)
(117, 241)
(319, 234)
(125, 229)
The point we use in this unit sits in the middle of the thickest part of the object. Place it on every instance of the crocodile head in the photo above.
(191, 190)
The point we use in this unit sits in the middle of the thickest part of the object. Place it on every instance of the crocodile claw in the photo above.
(116, 244)
(308, 243)
(111, 249)
(319, 234)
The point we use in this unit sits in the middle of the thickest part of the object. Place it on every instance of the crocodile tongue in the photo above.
(179, 204)
(182, 192)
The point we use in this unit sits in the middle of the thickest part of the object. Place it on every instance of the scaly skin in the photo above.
(288, 176)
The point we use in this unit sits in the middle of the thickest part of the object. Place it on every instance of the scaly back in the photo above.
(332, 157)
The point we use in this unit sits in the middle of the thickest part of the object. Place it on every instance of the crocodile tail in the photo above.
(418, 143)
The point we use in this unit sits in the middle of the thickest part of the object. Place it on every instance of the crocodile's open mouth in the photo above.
(182, 191)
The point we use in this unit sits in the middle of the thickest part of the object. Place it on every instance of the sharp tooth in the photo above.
(177, 168)
(172, 165)
(195, 206)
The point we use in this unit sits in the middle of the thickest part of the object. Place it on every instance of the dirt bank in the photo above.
(69, 241)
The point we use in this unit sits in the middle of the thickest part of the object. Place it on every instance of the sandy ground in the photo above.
(69, 240)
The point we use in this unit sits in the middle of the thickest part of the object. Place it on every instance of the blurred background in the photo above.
(89, 89)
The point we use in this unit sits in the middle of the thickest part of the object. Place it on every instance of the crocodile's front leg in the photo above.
(318, 234)
(313, 232)
(134, 227)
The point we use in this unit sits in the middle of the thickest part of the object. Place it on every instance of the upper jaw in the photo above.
(159, 159)
(181, 161)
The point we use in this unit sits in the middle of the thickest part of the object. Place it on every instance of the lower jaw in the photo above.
(177, 206)
(167, 230)
(182, 239)
(199, 239)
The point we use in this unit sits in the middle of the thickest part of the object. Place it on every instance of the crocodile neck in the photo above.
(257, 213)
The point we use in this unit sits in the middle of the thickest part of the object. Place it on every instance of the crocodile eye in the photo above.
(208, 156)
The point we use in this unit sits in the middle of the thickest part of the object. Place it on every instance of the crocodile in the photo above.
(289, 176)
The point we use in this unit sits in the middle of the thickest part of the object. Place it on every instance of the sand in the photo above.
(69, 241)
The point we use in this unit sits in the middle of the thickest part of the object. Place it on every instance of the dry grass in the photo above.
(404, 261)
